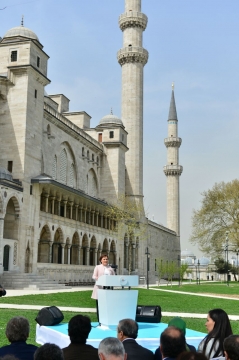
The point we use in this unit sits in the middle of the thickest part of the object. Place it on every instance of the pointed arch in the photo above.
(44, 245)
(54, 168)
(56, 247)
(74, 259)
(11, 220)
(92, 183)
(84, 247)
(63, 166)
(93, 247)
(105, 247)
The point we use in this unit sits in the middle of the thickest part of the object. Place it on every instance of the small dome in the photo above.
(110, 119)
(188, 261)
(187, 253)
(203, 261)
(5, 174)
(21, 31)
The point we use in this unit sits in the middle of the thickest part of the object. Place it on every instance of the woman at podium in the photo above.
(102, 269)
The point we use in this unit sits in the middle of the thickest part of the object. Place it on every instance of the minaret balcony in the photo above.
(172, 170)
(133, 19)
(173, 142)
(132, 54)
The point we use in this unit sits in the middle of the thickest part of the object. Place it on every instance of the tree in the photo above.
(171, 270)
(160, 265)
(183, 269)
(219, 213)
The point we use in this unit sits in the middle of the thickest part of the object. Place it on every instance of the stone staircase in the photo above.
(26, 281)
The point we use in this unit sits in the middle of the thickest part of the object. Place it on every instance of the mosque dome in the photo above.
(187, 253)
(188, 261)
(203, 261)
(5, 174)
(21, 31)
(110, 119)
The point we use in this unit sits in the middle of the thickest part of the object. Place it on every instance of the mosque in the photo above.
(58, 175)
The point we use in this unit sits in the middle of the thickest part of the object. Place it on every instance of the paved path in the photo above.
(79, 309)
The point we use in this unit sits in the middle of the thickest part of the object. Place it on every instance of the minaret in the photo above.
(173, 170)
(132, 58)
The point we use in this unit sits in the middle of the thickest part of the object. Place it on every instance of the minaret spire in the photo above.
(132, 58)
(173, 170)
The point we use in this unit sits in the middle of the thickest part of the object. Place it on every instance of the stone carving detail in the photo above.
(133, 19)
(132, 54)
(172, 142)
(173, 170)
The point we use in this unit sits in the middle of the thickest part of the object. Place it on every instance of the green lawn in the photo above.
(168, 302)
(206, 287)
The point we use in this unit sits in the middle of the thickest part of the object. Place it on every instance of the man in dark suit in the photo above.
(79, 328)
(127, 332)
(17, 332)
(172, 343)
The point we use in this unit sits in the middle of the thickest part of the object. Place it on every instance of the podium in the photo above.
(118, 304)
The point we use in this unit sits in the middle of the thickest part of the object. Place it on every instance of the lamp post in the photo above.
(198, 272)
(237, 253)
(226, 250)
(147, 253)
(179, 272)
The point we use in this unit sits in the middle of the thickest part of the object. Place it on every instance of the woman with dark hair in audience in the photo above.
(191, 355)
(218, 328)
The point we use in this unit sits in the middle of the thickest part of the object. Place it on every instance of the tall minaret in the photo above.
(173, 170)
(132, 57)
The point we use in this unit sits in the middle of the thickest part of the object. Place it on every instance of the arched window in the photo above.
(83, 152)
(88, 155)
(93, 157)
(54, 165)
(63, 166)
(72, 176)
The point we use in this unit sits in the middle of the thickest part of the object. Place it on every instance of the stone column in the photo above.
(62, 253)
(46, 202)
(93, 218)
(79, 249)
(85, 212)
(65, 203)
(76, 206)
(68, 254)
(53, 205)
(95, 257)
(71, 206)
(50, 251)
(81, 213)
(87, 256)
(59, 206)
(1, 244)
(97, 218)
(89, 217)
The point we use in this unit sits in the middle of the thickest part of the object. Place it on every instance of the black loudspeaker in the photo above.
(149, 314)
(48, 316)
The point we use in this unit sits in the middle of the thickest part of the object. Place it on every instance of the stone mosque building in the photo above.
(58, 175)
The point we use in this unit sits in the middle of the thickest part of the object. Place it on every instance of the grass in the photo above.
(168, 301)
(215, 288)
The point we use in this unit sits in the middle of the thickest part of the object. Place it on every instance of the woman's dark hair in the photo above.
(221, 330)
(102, 256)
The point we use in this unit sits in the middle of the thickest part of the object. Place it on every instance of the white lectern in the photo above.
(115, 305)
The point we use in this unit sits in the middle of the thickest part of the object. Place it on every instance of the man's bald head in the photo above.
(172, 342)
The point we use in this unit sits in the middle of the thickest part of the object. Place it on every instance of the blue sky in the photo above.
(191, 42)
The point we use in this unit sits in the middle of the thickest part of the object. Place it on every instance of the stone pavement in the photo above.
(79, 309)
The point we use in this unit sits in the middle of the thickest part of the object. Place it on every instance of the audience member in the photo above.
(49, 352)
(231, 347)
(17, 332)
(8, 357)
(2, 291)
(172, 342)
(127, 332)
(180, 324)
(218, 328)
(191, 355)
(111, 349)
(79, 328)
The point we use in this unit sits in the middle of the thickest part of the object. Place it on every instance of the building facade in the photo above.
(58, 175)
